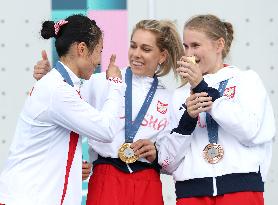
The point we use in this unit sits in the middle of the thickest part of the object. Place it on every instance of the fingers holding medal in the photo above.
(144, 148)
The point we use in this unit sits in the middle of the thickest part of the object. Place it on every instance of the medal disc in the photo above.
(213, 153)
(126, 154)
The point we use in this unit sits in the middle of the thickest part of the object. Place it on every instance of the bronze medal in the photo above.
(126, 154)
(213, 153)
(192, 59)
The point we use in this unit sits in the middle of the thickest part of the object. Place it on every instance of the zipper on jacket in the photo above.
(214, 186)
(129, 169)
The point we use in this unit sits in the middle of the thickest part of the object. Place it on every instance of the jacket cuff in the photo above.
(186, 125)
(155, 162)
(203, 87)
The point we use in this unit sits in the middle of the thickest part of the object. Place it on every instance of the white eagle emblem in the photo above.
(230, 92)
(162, 107)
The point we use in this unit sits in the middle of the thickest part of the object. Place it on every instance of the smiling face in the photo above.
(208, 52)
(90, 60)
(144, 54)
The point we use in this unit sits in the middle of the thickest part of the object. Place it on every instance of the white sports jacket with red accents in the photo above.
(246, 130)
(35, 170)
(155, 120)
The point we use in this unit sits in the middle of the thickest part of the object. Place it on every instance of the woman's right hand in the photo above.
(190, 71)
(113, 71)
(197, 103)
(42, 67)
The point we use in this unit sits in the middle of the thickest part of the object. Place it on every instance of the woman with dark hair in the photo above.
(44, 163)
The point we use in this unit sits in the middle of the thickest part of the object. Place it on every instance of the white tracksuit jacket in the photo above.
(246, 130)
(155, 121)
(34, 173)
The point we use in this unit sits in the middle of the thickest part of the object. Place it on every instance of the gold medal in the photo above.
(126, 154)
(213, 153)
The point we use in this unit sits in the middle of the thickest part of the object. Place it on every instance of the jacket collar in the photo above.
(75, 80)
(225, 73)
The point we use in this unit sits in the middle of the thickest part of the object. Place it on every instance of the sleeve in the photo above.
(174, 141)
(245, 110)
(95, 90)
(68, 110)
(203, 87)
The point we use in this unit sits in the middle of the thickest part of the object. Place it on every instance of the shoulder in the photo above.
(237, 72)
(44, 89)
(245, 76)
(250, 74)
(50, 81)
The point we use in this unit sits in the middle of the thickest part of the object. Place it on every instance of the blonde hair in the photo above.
(214, 28)
(167, 38)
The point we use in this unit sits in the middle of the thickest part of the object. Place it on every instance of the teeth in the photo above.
(137, 63)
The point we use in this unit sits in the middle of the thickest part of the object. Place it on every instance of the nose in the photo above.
(189, 52)
(137, 52)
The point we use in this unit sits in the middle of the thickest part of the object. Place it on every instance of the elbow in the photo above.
(109, 136)
(255, 136)
(109, 130)
(102, 136)
(247, 137)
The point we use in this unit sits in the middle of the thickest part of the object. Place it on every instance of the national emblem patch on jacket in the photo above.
(162, 107)
(230, 92)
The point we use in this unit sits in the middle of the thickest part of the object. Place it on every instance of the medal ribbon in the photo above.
(212, 125)
(60, 68)
(132, 128)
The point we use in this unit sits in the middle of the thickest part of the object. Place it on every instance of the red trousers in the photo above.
(237, 198)
(108, 185)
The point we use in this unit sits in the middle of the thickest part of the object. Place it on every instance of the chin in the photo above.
(88, 76)
(137, 71)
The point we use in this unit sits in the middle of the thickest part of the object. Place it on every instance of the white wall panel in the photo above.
(20, 46)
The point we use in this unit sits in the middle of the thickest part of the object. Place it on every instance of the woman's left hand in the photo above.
(144, 148)
(86, 170)
(190, 71)
(113, 70)
(197, 103)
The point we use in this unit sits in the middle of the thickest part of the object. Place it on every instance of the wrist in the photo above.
(115, 79)
(201, 86)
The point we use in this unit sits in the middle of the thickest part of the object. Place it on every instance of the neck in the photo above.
(219, 65)
(68, 61)
(217, 68)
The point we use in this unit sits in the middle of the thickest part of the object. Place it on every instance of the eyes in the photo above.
(192, 45)
(143, 47)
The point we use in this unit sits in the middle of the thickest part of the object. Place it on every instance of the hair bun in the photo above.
(93, 22)
(47, 30)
